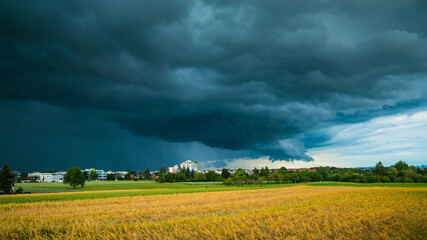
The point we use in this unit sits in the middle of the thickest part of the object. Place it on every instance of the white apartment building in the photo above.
(173, 169)
(49, 177)
(187, 164)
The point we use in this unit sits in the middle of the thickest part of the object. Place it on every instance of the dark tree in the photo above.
(20, 190)
(264, 171)
(86, 176)
(294, 177)
(111, 177)
(211, 176)
(93, 175)
(74, 177)
(260, 180)
(270, 178)
(161, 178)
(188, 172)
(380, 169)
(225, 173)
(282, 171)
(163, 170)
(401, 166)
(147, 174)
(181, 177)
(324, 172)
(6, 178)
(171, 177)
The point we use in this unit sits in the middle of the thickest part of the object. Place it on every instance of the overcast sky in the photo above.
(136, 84)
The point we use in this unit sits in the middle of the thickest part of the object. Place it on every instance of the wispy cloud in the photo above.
(387, 139)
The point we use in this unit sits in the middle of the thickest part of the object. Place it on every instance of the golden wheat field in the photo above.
(301, 212)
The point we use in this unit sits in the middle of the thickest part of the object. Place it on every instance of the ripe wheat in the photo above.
(284, 213)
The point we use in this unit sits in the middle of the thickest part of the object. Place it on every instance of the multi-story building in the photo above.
(48, 177)
(102, 175)
(173, 169)
(187, 164)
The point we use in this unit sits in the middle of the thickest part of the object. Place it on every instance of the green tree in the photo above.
(171, 177)
(250, 182)
(161, 178)
(20, 190)
(93, 175)
(188, 172)
(411, 174)
(147, 174)
(316, 177)
(324, 172)
(74, 177)
(385, 179)
(239, 177)
(211, 176)
(347, 177)
(280, 178)
(294, 177)
(199, 177)
(181, 177)
(163, 169)
(260, 180)
(282, 171)
(380, 169)
(398, 180)
(392, 173)
(401, 166)
(86, 175)
(228, 181)
(6, 178)
(111, 177)
(271, 178)
(264, 172)
(225, 173)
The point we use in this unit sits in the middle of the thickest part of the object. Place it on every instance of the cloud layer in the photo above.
(245, 75)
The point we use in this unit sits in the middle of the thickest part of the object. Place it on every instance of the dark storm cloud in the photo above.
(245, 75)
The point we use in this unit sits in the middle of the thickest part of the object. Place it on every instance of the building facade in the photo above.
(173, 169)
(48, 177)
(102, 175)
(187, 164)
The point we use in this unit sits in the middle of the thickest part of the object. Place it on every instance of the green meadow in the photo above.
(107, 189)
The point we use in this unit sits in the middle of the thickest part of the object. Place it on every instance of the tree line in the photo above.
(400, 172)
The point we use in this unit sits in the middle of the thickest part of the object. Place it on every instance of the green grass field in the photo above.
(106, 189)
(89, 186)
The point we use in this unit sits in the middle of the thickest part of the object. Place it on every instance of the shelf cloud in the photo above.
(251, 76)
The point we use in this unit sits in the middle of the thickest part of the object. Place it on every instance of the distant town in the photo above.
(102, 175)
(188, 170)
